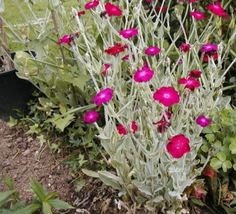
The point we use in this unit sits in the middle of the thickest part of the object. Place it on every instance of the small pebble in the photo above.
(26, 152)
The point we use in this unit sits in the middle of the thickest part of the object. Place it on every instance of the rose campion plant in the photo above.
(154, 158)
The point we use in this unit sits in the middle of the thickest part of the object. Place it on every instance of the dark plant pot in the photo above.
(15, 93)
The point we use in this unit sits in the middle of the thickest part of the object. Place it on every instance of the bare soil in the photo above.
(21, 158)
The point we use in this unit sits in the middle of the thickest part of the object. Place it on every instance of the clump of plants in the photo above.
(44, 202)
(221, 140)
(64, 84)
(152, 72)
(216, 193)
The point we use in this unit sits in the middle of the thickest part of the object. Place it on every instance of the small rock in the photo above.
(6, 163)
(26, 152)
(30, 139)
(19, 139)
(36, 167)
(9, 145)
(24, 170)
(25, 145)
(24, 162)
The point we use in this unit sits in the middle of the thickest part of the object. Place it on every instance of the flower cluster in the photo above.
(167, 96)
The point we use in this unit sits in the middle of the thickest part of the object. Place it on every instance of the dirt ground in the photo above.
(21, 158)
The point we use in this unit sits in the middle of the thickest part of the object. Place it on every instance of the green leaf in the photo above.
(59, 204)
(62, 122)
(232, 147)
(79, 184)
(214, 128)
(81, 81)
(179, 9)
(12, 121)
(28, 209)
(226, 165)
(166, 44)
(51, 195)
(228, 210)
(210, 137)
(204, 148)
(221, 156)
(99, 41)
(41, 139)
(38, 190)
(216, 163)
(90, 173)
(8, 181)
(47, 209)
(207, 130)
(25, 66)
(5, 211)
(78, 81)
(110, 179)
(217, 144)
(197, 202)
(233, 203)
(5, 195)
(143, 188)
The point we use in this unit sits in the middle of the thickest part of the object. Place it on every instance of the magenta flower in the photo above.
(128, 33)
(91, 117)
(207, 48)
(80, 13)
(198, 15)
(91, 5)
(161, 9)
(144, 74)
(152, 51)
(105, 69)
(116, 49)
(167, 96)
(195, 73)
(66, 39)
(164, 122)
(217, 9)
(103, 96)
(190, 83)
(134, 127)
(178, 146)
(185, 47)
(203, 121)
(125, 58)
(112, 10)
(121, 129)
(206, 57)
